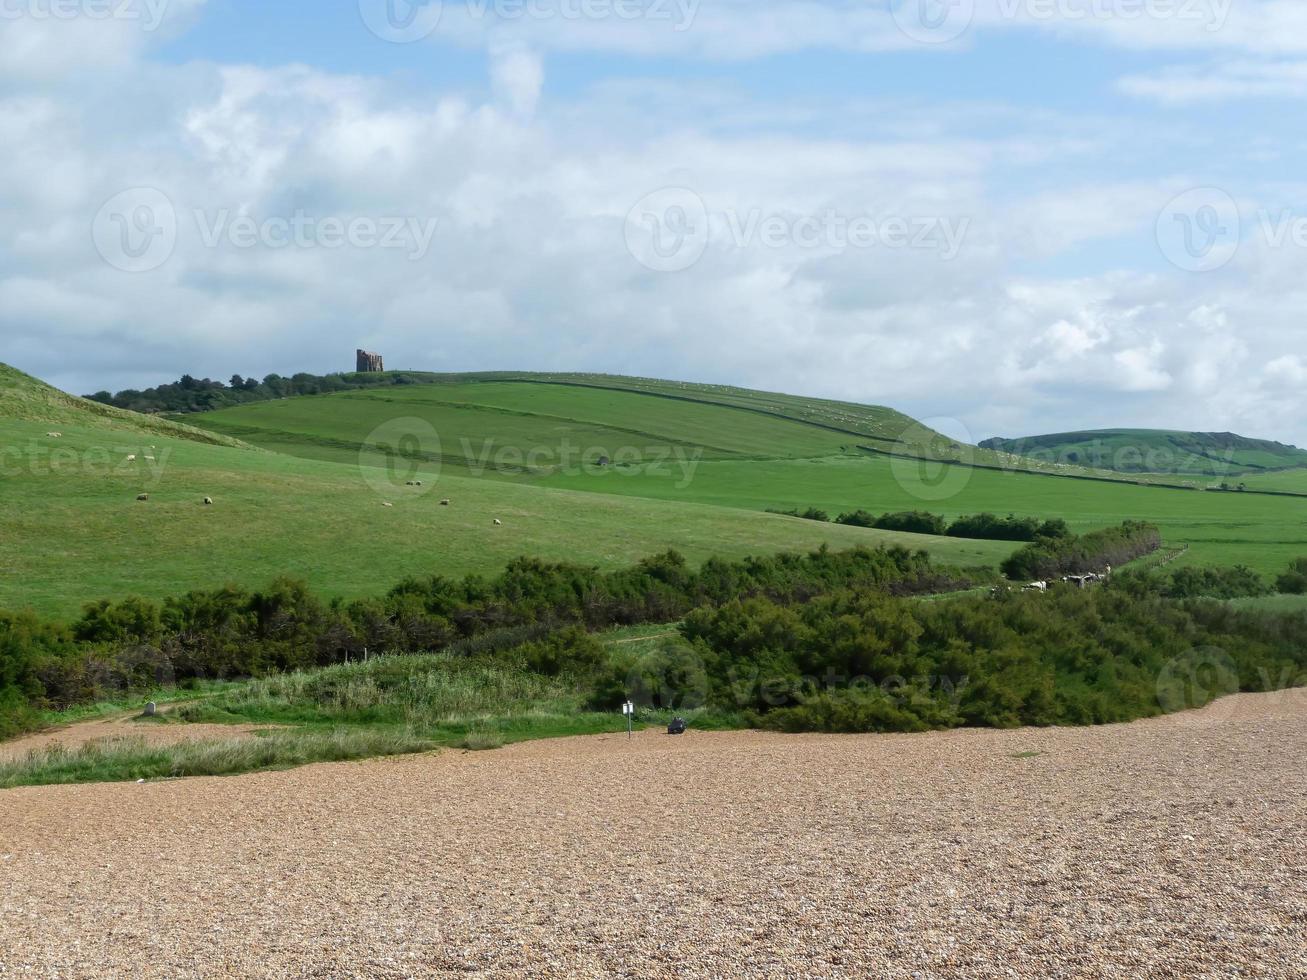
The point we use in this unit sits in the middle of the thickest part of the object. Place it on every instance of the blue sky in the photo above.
(1006, 216)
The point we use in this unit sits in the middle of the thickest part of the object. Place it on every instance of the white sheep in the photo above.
(498, 522)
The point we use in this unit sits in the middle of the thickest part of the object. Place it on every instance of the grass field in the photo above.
(74, 531)
(1201, 455)
(680, 451)
(689, 467)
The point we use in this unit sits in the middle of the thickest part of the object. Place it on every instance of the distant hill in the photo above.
(25, 398)
(1217, 455)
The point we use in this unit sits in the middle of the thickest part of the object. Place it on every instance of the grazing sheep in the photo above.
(131, 458)
(498, 522)
(387, 505)
(55, 435)
(208, 501)
(143, 496)
(444, 503)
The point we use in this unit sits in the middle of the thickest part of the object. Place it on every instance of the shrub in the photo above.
(1294, 581)
(915, 521)
(869, 662)
(1010, 528)
(1049, 558)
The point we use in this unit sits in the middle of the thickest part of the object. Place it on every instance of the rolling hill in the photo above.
(735, 449)
(1209, 455)
(26, 399)
(72, 530)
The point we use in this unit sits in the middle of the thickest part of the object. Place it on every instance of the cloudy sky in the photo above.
(1021, 215)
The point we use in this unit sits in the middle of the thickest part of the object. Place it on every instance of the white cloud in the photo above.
(518, 76)
(1220, 82)
(528, 267)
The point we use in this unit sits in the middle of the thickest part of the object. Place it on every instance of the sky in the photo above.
(1004, 217)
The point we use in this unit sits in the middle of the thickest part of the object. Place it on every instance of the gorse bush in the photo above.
(1214, 583)
(232, 632)
(1050, 558)
(1294, 581)
(867, 662)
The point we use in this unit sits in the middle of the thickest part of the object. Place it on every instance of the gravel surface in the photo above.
(1170, 847)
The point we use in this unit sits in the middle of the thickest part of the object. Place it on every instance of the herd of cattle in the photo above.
(1079, 581)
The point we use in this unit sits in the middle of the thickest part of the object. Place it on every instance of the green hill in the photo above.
(731, 448)
(73, 530)
(1213, 455)
(24, 398)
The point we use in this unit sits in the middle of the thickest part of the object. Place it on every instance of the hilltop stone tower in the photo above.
(369, 363)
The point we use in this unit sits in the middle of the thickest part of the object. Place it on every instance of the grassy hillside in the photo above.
(871, 429)
(73, 529)
(1212, 455)
(735, 457)
(24, 398)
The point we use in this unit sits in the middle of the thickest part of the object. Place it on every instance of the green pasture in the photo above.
(72, 529)
(743, 460)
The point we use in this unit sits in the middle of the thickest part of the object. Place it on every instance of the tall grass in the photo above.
(424, 693)
(135, 758)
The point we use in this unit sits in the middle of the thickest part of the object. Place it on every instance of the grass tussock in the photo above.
(481, 739)
(134, 758)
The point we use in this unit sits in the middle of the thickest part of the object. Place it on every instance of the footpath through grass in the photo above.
(387, 706)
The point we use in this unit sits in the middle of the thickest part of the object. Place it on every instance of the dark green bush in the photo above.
(915, 521)
(868, 662)
(1050, 558)
(1294, 581)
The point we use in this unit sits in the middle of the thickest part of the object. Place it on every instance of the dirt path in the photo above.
(1170, 847)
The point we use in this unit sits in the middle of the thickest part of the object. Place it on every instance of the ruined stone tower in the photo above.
(369, 363)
